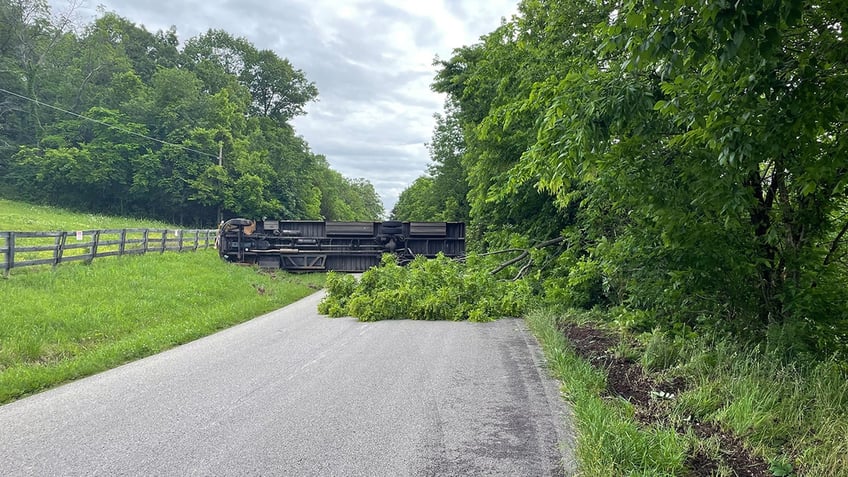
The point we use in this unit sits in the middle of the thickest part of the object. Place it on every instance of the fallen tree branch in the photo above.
(498, 252)
(523, 269)
(524, 254)
(511, 261)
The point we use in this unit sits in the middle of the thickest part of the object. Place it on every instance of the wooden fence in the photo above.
(23, 249)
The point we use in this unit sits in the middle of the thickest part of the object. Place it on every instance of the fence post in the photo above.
(196, 240)
(123, 244)
(60, 249)
(164, 240)
(144, 241)
(95, 240)
(180, 241)
(10, 253)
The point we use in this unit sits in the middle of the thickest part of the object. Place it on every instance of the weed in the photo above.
(793, 412)
(659, 353)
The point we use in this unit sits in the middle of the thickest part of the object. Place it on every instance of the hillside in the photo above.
(80, 319)
(23, 217)
(112, 118)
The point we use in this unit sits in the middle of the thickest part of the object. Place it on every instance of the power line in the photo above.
(106, 124)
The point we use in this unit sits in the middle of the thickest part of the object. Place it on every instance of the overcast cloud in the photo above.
(370, 59)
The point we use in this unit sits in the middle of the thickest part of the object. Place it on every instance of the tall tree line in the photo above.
(693, 154)
(173, 109)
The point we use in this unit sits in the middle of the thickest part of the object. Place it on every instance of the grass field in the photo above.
(22, 217)
(79, 319)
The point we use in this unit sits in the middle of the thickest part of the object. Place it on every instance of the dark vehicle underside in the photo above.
(340, 246)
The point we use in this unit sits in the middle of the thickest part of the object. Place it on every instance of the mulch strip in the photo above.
(626, 378)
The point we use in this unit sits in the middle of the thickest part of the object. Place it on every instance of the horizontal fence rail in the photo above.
(24, 249)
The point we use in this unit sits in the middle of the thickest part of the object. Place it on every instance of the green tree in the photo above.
(417, 202)
(692, 154)
(450, 181)
(278, 90)
(489, 83)
(701, 151)
(138, 124)
(346, 199)
(29, 47)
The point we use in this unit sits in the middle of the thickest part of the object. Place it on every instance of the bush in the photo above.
(426, 289)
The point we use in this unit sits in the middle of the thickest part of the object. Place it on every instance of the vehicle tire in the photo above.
(239, 222)
(391, 230)
(392, 224)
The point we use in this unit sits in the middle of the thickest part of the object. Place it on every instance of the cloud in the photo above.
(370, 59)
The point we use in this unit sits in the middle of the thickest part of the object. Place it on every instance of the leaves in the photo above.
(425, 289)
(163, 114)
(694, 151)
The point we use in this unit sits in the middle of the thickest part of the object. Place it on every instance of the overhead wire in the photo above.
(40, 103)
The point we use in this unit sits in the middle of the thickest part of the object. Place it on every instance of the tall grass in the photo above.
(82, 319)
(787, 410)
(791, 410)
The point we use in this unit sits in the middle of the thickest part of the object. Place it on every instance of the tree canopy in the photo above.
(118, 119)
(692, 154)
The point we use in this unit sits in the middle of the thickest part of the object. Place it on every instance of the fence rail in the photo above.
(24, 249)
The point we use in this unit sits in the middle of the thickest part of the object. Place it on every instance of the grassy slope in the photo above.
(80, 319)
(22, 217)
(794, 414)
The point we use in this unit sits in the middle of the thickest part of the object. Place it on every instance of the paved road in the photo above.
(292, 393)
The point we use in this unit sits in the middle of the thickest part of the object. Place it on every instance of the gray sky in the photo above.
(371, 60)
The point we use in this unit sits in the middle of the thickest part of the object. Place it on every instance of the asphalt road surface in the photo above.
(294, 393)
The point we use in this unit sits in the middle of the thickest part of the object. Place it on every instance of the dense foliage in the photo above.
(442, 194)
(693, 155)
(197, 130)
(436, 289)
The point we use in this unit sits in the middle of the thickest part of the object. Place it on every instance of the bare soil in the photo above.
(627, 379)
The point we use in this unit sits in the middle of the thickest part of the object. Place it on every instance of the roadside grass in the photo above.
(22, 217)
(81, 319)
(793, 413)
(609, 440)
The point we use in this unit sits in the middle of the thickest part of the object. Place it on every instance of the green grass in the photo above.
(792, 412)
(22, 217)
(787, 411)
(80, 319)
(609, 441)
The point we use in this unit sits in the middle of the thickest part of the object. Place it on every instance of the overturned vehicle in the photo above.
(305, 245)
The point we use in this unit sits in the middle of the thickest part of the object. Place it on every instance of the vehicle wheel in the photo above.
(391, 230)
(239, 222)
(392, 224)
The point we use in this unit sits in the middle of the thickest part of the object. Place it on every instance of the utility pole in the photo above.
(220, 163)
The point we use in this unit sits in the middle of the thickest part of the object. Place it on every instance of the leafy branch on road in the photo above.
(436, 289)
